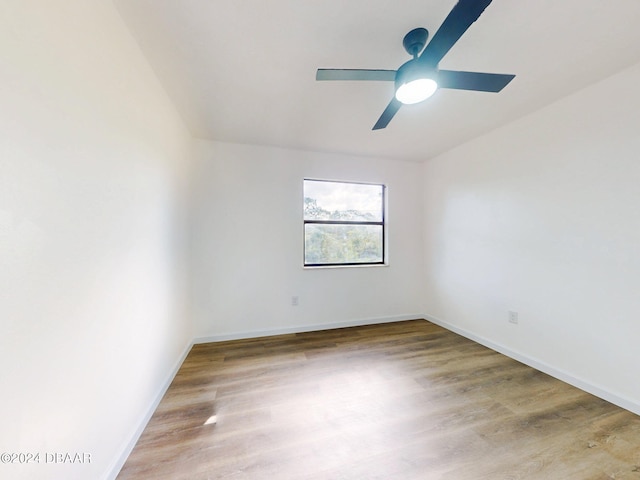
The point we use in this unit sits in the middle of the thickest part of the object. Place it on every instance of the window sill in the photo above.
(325, 267)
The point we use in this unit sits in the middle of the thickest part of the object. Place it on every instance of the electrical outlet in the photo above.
(294, 301)
(513, 317)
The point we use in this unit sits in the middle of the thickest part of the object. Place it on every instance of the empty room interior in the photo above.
(230, 247)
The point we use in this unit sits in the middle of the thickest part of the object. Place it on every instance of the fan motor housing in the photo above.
(414, 70)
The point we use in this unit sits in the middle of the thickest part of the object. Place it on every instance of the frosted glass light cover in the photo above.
(416, 91)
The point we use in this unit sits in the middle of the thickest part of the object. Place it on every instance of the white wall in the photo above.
(92, 168)
(248, 244)
(543, 217)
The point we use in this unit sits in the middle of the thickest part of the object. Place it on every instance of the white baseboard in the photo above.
(305, 328)
(566, 377)
(125, 451)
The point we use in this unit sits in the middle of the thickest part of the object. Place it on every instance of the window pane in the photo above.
(342, 201)
(326, 244)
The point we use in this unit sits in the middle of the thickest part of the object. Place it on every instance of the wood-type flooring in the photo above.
(406, 400)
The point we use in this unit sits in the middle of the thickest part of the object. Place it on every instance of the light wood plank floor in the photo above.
(407, 400)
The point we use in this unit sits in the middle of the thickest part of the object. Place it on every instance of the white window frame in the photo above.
(382, 223)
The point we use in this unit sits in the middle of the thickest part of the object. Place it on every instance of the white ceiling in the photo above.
(244, 70)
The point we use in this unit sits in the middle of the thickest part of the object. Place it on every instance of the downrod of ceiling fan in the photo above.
(415, 40)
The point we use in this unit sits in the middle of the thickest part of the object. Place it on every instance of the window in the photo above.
(344, 223)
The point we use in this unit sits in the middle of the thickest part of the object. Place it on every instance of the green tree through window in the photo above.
(344, 223)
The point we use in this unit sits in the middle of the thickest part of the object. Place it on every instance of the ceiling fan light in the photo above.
(416, 91)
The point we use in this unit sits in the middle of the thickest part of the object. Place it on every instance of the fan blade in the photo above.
(463, 14)
(481, 82)
(388, 114)
(355, 74)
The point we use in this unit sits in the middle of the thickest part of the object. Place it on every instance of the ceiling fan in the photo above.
(419, 78)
